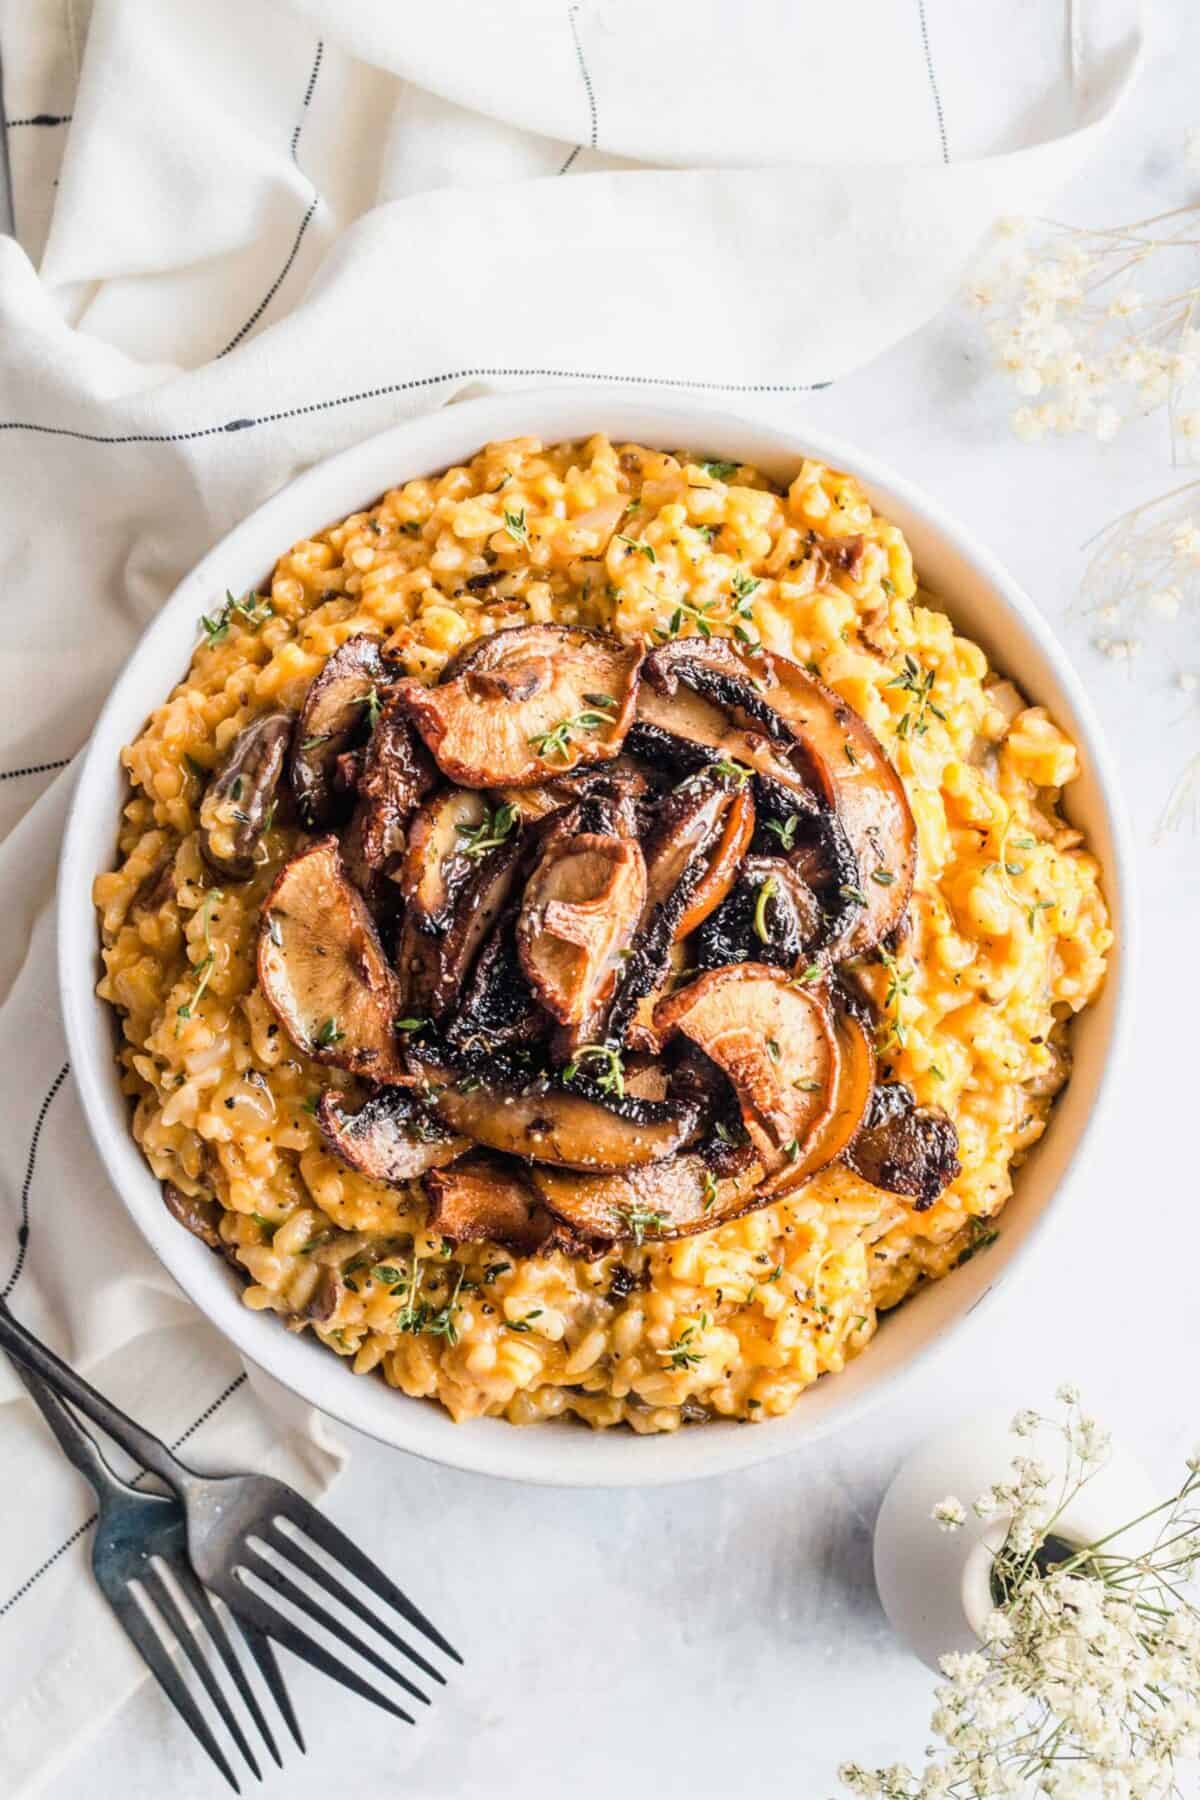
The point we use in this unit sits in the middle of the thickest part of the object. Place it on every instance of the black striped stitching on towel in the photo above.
(406, 387)
(315, 201)
(27, 1184)
(588, 89)
(43, 1567)
(35, 769)
(937, 98)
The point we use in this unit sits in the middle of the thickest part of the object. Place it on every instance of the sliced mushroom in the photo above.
(678, 724)
(488, 1198)
(322, 968)
(665, 1200)
(819, 850)
(326, 1297)
(581, 907)
(855, 1085)
(396, 775)
(620, 781)
(239, 801)
(771, 916)
(392, 1138)
(336, 712)
(842, 553)
(724, 863)
(196, 1213)
(537, 1121)
(526, 705)
(823, 733)
(776, 1043)
(905, 1148)
(496, 1005)
(459, 870)
(438, 860)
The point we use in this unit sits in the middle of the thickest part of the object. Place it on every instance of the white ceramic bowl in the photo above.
(984, 602)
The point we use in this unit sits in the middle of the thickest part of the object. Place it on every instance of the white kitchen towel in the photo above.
(248, 234)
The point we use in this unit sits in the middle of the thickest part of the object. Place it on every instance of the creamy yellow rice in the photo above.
(1008, 938)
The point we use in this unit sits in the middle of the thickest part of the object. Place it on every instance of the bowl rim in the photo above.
(554, 1454)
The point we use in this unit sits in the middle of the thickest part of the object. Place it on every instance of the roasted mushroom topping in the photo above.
(544, 1122)
(322, 967)
(239, 801)
(196, 1213)
(458, 872)
(817, 847)
(526, 705)
(396, 775)
(489, 1198)
(905, 1148)
(772, 916)
(581, 907)
(825, 738)
(326, 1297)
(393, 1137)
(852, 1096)
(690, 732)
(496, 1005)
(776, 1043)
(337, 710)
(664, 1200)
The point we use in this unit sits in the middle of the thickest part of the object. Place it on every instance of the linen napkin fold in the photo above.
(247, 235)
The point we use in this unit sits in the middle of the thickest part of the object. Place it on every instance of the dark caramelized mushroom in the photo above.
(489, 1199)
(322, 968)
(336, 712)
(496, 1005)
(776, 1043)
(239, 801)
(665, 1200)
(581, 906)
(392, 1138)
(326, 1297)
(459, 870)
(395, 776)
(852, 1096)
(905, 1148)
(538, 1121)
(772, 916)
(196, 1213)
(526, 705)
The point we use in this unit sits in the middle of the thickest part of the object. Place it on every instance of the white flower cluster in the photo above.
(1087, 1684)
(1073, 333)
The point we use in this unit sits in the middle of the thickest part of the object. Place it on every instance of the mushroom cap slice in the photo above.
(239, 800)
(322, 968)
(335, 713)
(456, 888)
(771, 916)
(845, 759)
(580, 909)
(675, 722)
(396, 775)
(776, 1043)
(905, 1148)
(197, 1213)
(724, 863)
(526, 705)
(435, 864)
(489, 1199)
(391, 1138)
(664, 1200)
(542, 1123)
(852, 1097)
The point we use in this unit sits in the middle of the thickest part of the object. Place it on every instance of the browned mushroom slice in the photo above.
(336, 711)
(776, 1043)
(581, 906)
(527, 704)
(444, 842)
(322, 967)
(666, 1200)
(737, 828)
(538, 1122)
(489, 1199)
(496, 1005)
(791, 706)
(771, 916)
(818, 849)
(676, 723)
(855, 1085)
(392, 1138)
(396, 775)
(620, 781)
(905, 1148)
(197, 1213)
(239, 801)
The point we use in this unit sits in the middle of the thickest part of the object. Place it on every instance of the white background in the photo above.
(726, 1636)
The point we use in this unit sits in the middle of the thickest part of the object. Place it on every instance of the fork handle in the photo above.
(78, 1445)
(142, 1445)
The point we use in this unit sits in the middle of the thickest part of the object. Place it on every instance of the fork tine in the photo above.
(275, 1578)
(259, 1646)
(211, 1619)
(323, 1532)
(251, 1606)
(185, 1637)
(162, 1666)
(294, 1551)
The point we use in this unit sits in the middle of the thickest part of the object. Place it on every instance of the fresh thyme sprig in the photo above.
(253, 609)
(611, 1076)
(918, 683)
(556, 741)
(202, 972)
(496, 826)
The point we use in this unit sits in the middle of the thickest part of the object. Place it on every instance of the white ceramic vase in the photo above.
(935, 1585)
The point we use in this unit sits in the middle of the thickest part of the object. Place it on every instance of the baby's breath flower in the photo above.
(1026, 1422)
(949, 1514)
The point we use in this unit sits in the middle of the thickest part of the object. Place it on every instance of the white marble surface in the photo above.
(726, 1635)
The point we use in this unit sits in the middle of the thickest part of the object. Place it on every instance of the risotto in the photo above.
(968, 994)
